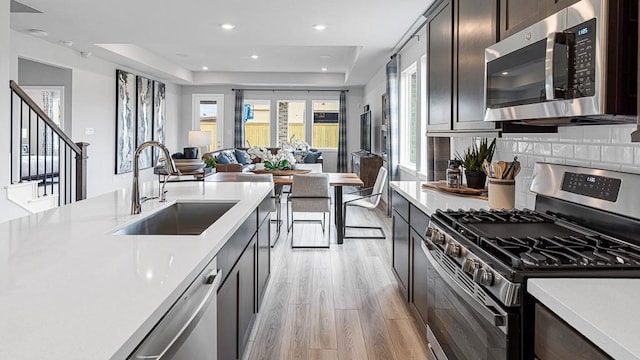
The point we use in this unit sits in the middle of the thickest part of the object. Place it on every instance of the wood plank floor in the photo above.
(337, 303)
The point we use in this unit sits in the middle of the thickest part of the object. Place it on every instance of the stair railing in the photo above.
(41, 151)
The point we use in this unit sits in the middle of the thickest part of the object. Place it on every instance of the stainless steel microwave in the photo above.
(581, 62)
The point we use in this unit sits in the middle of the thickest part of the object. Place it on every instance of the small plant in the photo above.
(209, 162)
(473, 157)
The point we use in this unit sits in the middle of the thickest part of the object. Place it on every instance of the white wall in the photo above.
(94, 89)
(354, 109)
(7, 209)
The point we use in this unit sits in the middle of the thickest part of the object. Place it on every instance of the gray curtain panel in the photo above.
(238, 137)
(342, 133)
(393, 91)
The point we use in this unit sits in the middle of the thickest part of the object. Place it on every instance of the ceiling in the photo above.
(175, 39)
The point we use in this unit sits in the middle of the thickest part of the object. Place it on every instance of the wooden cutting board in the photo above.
(466, 191)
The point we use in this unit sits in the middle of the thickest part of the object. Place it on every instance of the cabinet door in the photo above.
(419, 277)
(228, 317)
(246, 294)
(401, 252)
(516, 15)
(477, 27)
(440, 68)
(263, 260)
(555, 339)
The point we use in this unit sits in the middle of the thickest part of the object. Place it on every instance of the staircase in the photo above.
(47, 168)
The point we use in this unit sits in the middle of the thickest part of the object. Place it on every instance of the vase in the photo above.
(475, 179)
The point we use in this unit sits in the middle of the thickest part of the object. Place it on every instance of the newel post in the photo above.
(81, 172)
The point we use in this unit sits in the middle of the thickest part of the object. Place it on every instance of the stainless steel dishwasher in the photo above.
(189, 329)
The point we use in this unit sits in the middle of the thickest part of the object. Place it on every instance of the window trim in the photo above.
(405, 100)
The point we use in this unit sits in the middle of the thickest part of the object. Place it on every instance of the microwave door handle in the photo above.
(548, 66)
(487, 312)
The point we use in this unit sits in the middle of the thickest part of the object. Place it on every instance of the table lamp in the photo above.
(198, 139)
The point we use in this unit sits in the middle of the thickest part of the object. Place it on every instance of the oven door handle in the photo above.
(495, 318)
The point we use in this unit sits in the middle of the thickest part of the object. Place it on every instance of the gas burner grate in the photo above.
(589, 251)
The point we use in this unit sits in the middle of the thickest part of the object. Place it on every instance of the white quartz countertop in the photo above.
(71, 290)
(605, 311)
(429, 200)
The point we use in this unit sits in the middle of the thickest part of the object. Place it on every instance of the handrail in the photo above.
(32, 104)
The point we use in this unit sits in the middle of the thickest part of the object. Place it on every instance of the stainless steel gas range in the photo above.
(479, 260)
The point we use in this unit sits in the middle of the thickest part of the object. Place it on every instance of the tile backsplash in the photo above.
(597, 146)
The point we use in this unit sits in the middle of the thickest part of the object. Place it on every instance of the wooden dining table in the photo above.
(337, 180)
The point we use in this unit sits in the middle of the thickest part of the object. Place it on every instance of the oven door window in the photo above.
(461, 332)
(517, 78)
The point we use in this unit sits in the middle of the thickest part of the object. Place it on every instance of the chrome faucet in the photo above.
(136, 205)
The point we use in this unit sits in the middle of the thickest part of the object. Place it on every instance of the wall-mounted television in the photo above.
(365, 131)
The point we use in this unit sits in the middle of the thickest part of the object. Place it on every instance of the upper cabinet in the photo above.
(477, 28)
(458, 31)
(440, 67)
(516, 15)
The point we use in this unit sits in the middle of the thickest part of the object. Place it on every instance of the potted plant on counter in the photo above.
(472, 160)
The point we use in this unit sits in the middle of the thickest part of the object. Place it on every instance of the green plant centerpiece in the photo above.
(209, 162)
(472, 160)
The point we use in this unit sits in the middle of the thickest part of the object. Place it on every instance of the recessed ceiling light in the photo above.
(505, 73)
(228, 26)
(66, 43)
(38, 32)
(254, 57)
(319, 27)
(205, 68)
(324, 68)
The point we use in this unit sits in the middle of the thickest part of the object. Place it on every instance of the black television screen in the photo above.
(365, 131)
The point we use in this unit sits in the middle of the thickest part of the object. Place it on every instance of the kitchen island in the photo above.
(69, 289)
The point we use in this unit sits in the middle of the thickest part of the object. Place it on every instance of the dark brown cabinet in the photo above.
(555, 339)
(515, 15)
(477, 29)
(245, 261)
(366, 166)
(458, 31)
(400, 242)
(440, 67)
(263, 260)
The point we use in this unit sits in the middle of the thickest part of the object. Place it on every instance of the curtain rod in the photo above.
(274, 90)
(415, 34)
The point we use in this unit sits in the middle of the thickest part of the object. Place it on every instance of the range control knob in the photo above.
(429, 233)
(469, 266)
(483, 276)
(452, 249)
(438, 238)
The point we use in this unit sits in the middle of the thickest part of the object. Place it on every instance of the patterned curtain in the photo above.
(342, 133)
(238, 137)
(393, 91)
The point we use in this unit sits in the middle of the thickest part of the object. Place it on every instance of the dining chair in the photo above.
(309, 194)
(369, 202)
(275, 196)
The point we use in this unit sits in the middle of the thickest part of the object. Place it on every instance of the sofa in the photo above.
(237, 159)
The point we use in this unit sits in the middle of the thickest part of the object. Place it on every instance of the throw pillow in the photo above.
(312, 157)
(223, 159)
(231, 154)
(242, 157)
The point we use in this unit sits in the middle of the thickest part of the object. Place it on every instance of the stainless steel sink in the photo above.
(182, 218)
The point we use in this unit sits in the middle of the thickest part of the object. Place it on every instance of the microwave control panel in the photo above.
(584, 56)
(594, 186)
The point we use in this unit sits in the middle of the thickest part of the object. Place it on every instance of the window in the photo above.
(291, 120)
(409, 119)
(325, 124)
(209, 120)
(257, 126)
